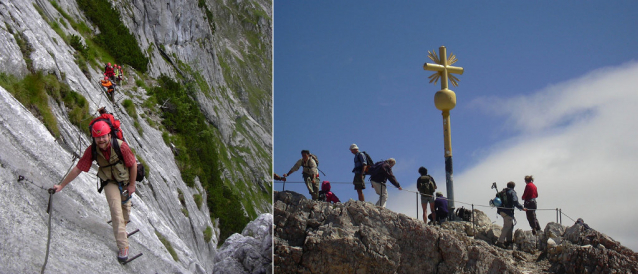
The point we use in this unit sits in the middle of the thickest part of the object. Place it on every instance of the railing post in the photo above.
(284, 187)
(473, 228)
(417, 206)
(557, 215)
(561, 216)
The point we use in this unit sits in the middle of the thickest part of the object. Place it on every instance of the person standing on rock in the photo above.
(507, 212)
(382, 173)
(310, 173)
(529, 197)
(117, 176)
(426, 186)
(359, 171)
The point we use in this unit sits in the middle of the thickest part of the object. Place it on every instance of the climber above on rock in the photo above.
(440, 209)
(507, 212)
(380, 173)
(109, 72)
(117, 174)
(310, 173)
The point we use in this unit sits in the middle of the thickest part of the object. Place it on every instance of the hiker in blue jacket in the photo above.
(507, 212)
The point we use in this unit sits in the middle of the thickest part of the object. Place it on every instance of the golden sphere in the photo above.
(445, 99)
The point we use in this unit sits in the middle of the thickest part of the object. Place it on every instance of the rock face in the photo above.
(180, 42)
(358, 237)
(248, 252)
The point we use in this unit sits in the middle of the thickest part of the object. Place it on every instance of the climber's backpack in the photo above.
(503, 196)
(425, 186)
(314, 157)
(368, 159)
(375, 168)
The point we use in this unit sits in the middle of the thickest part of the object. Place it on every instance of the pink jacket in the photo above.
(330, 197)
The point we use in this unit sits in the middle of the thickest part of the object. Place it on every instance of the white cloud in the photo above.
(580, 141)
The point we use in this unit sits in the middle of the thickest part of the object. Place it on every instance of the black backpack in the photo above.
(368, 159)
(464, 214)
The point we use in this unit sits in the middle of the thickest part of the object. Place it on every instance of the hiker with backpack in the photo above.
(380, 172)
(359, 170)
(310, 172)
(326, 195)
(118, 171)
(509, 200)
(529, 197)
(426, 186)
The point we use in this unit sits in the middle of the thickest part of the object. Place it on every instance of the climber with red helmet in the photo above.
(117, 171)
(108, 71)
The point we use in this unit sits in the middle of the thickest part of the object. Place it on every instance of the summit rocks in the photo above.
(358, 237)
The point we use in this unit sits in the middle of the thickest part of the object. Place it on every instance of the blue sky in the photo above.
(549, 90)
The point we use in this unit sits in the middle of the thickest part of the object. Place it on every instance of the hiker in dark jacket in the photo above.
(507, 212)
(379, 177)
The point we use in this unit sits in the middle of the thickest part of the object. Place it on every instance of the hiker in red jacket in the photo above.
(117, 175)
(108, 72)
(325, 190)
(529, 197)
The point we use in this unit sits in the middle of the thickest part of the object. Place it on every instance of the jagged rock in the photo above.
(248, 252)
(358, 237)
(526, 241)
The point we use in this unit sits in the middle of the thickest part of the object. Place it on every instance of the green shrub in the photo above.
(129, 106)
(168, 246)
(30, 92)
(208, 234)
(114, 36)
(198, 200)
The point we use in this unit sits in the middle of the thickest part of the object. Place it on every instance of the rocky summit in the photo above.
(359, 237)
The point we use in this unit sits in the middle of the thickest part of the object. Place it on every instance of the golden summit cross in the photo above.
(443, 68)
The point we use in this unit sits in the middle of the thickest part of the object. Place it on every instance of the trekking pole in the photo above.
(50, 212)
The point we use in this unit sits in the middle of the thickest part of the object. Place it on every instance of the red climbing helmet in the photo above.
(100, 128)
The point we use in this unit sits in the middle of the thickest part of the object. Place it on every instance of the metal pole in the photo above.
(449, 171)
(561, 216)
(417, 206)
(473, 219)
(284, 187)
(557, 215)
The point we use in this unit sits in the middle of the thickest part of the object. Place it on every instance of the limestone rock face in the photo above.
(358, 237)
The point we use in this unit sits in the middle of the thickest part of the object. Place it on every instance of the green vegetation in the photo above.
(208, 234)
(33, 92)
(114, 36)
(198, 200)
(129, 106)
(197, 155)
(26, 50)
(168, 245)
(180, 196)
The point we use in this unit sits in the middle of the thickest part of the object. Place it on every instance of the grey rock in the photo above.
(248, 252)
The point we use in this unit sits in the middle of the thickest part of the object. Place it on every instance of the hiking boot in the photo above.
(123, 255)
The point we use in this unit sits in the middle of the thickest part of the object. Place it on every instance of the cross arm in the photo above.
(440, 68)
